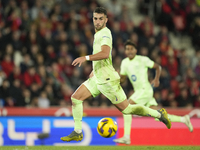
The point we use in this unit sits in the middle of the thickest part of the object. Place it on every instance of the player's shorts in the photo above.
(112, 90)
(144, 97)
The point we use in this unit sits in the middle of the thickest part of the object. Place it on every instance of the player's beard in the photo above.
(97, 29)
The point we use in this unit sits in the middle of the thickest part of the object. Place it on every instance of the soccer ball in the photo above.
(107, 127)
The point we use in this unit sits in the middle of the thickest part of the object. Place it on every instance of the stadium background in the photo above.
(39, 39)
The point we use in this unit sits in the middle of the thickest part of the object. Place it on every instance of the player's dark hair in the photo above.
(129, 42)
(100, 10)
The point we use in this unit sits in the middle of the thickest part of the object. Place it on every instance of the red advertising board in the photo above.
(94, 111)
(147, 131)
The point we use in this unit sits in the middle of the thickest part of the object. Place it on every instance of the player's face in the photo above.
(130, 51)
(99, 21)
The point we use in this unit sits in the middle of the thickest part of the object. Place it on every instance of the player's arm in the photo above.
(103, 54)
(156, 81)
(122, 78)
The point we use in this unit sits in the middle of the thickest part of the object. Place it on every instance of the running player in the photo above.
(135, 67)
(104, 79)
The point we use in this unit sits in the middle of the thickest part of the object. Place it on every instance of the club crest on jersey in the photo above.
(133, 77)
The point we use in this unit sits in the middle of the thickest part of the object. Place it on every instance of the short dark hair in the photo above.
(101, 10)
(129, 42)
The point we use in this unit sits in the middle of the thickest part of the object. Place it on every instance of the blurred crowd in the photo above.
(40, 39)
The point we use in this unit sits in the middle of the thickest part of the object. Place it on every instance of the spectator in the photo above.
(34, 51)
(146, 27)
(42, 74)
(2, 76)
(194, 89)
(9, 50)
(16, 74)
(35, 90)
(31, 76)
(68, 68)
(50, 56)
(184, 99)
(10, 102)
(16, 41)
(197, 102)
(76, 78)
(196, 32)
(43, 101)
(7, 65)
(36, 9)
(172, 67)
(197, 70)
(26, 63)
(5, 90)
(162, 35)
(16, 92)
(51, 95)
(26, 101)
(190, 17)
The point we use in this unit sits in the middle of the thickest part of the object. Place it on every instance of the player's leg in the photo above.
(144, 111)
(173, 118)
(141, 96)
(128, 122)
(138, 97)
(87, 89)
(127, 127)
(114, 92)
(183, 119)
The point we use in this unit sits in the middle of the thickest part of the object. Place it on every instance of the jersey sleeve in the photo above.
(123, 68)
(147, 62)
(106, 39)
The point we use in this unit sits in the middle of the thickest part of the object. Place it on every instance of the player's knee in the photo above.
(133, 109)
(139, 109)
(127, 110)
(76, 96)
(75, 101)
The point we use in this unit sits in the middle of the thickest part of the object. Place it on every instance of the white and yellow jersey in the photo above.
(136, 70)
(103, 69)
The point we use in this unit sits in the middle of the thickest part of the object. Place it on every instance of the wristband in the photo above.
(87, 57)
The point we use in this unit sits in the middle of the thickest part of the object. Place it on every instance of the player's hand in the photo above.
(155, 83)
(79, 61)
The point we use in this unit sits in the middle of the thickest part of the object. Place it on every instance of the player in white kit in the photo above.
(104, 79)
(135, 67)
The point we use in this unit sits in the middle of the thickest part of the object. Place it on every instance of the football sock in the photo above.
(141, 110)
(77, 112)
(127, 125)
(183, 120)
(174, 118)
(127, 136)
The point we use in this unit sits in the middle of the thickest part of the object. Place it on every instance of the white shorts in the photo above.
(144, 97)
(112, 90)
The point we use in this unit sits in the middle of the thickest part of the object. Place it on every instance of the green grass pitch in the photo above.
(99, 147)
